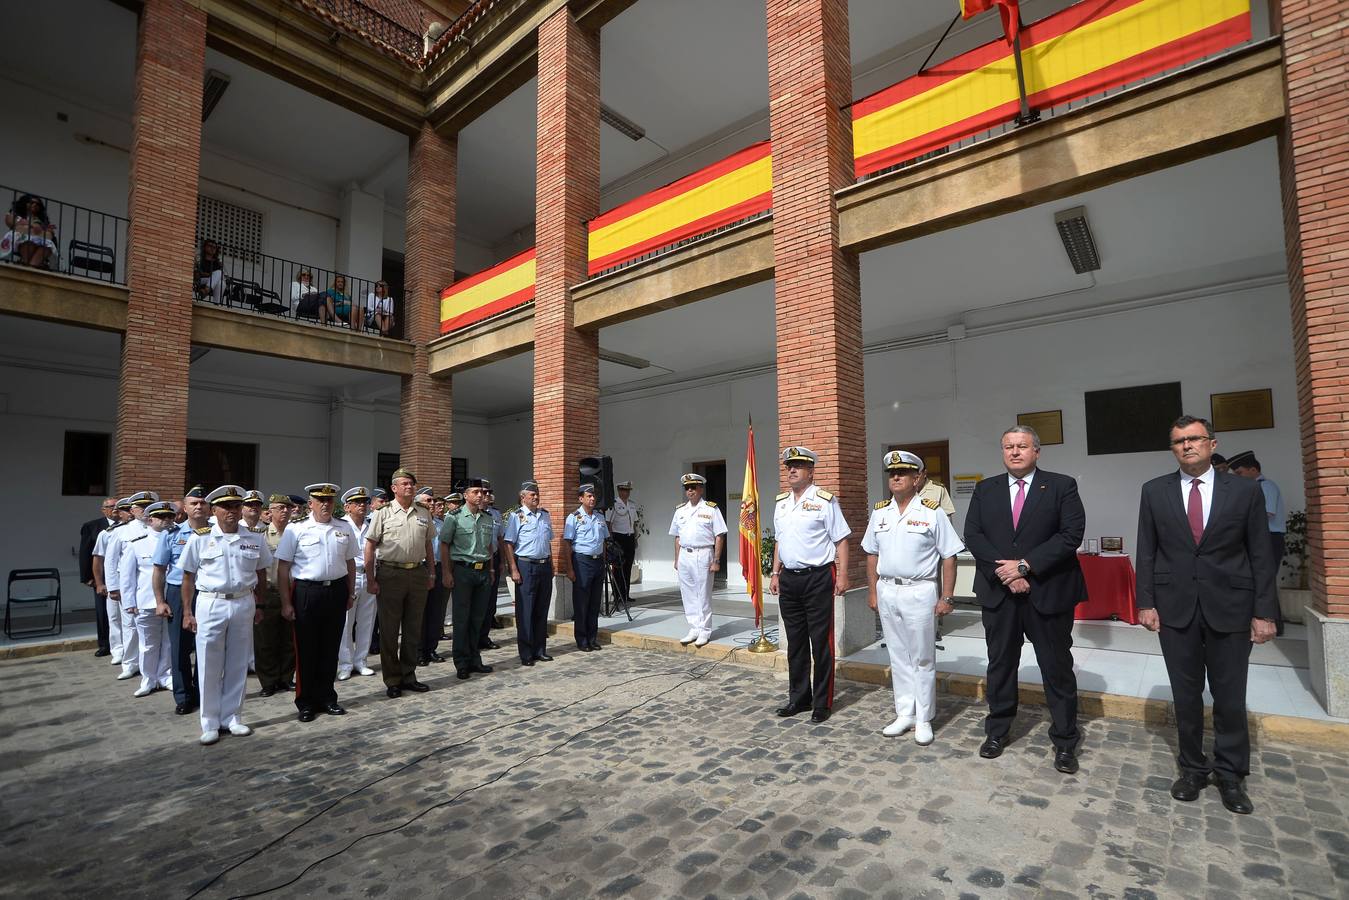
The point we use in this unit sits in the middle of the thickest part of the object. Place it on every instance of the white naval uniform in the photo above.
(225, 571)
(112, 562)
(114, 610)
(135, 580)
(622, 517)
(361, 616)
(909, 546)
(697, 526)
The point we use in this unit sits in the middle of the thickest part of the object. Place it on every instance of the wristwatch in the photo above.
(1022, 568)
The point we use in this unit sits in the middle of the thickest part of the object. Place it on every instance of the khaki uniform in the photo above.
(273, 637)
(400, 537)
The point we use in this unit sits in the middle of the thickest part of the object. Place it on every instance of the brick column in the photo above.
(566, 361)
(426, 405)
(1314, 164)
(151, 440)
(817, 285)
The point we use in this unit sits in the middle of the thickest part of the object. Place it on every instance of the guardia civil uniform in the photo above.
(695, 527)
(182, 642)
(469, 540)
(909, 545)
(586, 533)
(437, 597)
(136, 584)
(318, 584)
(273, 637)
(807, 529)
(400, 537)
(360, 623)
(489, 619)
(530, 536)
(224, 568)
(116, 639)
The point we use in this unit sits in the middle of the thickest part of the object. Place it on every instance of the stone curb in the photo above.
(24, 651)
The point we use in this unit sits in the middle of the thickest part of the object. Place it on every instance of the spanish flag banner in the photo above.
(720, 194)
(751, 562)
(1082, 50)
(1008, 9)
(504, 286)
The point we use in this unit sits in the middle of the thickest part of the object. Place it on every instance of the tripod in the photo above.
(615, 596)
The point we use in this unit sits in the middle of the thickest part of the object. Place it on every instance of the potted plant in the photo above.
(1294, 561)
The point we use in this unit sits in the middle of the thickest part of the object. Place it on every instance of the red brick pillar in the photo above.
(817, 286)
(1314, 159)
(566, 361)
(151, 440)
(426, 405)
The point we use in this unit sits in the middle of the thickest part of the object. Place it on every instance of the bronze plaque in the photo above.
(1048, 425)
(1242, 410)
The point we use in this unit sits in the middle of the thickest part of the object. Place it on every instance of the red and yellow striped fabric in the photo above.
(1082, 50)
(724, 192)
(502, 287)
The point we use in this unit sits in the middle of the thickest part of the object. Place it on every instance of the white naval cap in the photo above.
(800, 455)
(901, 460)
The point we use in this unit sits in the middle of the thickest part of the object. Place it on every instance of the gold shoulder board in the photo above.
(931, 504)
(783, 495)
(710, 503)
(882, 504)
(824, 495)
(205, 529)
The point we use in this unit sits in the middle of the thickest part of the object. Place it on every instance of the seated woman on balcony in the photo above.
(337, 303)
(307, 300)
(379, 308)
(210, 273)
(31, 236)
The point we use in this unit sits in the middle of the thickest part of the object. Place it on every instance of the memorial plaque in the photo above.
(1048, 425)
(1242, 410)
(1132, 419)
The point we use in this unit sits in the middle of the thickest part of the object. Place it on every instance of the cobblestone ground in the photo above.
(547, 782)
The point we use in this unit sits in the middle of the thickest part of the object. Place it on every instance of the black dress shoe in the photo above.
(393, 693)
(489, 645)
(595, 645)
(437, 658)
(290, 686)
(526, 662)
(792, 709)
(1234, 797)
(423, 661)
(992, 747)
(584, 648)
(267, 692)
(306, 715)
(334, 709)
(1188, 786)
(480, 668)
(461, 674)
(821, 715)
(1065, 761)
(102, 652)
(415, 686)
(183, 709)
(544, 657)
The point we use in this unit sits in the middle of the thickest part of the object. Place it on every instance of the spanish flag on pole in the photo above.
(750, 561)
(1011, 13)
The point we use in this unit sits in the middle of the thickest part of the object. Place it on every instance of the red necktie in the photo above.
(1019, 502)
(1194, 511)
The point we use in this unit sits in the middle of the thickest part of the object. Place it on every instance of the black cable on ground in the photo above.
(691, 675)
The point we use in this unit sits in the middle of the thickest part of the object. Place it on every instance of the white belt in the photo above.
(889, 580)
(702, 547)
(220, 595)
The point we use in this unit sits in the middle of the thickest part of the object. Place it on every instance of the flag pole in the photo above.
(761, 644)
(1027, 115)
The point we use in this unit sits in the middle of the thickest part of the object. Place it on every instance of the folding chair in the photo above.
(95, 258)
(30, 575)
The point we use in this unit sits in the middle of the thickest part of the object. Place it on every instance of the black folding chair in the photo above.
(33, 575)
(92, 258)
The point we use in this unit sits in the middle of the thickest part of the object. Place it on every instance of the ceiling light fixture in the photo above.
(623, 359)
(621, 123)
(214, 88)
(1077, 240)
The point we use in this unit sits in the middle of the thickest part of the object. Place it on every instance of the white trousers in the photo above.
(131, 645)
(695, 586)
(155, 652)
(910, 628)
(224, 646)
(360, 619)
(115, 641)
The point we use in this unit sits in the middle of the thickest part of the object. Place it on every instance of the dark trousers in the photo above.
(628, 544)
(489, 618)
(585, 598)
(533, 595)
(472, 593)
(1276, 539)
(320, 613)
(101, 620)
(1052, 637)
(273, 645)
(806, 600)
(433, 619)
(182, 644)
(1191, 653)
(400, 606)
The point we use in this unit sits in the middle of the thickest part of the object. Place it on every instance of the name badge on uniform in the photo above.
(342, 536)
(915, 525)
(813, 507)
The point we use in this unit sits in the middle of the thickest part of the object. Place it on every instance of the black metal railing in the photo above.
(364, 18)
(56, 236)
(270, 285)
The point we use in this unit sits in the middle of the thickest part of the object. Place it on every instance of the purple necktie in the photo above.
(1019, 502)
(1194, 511)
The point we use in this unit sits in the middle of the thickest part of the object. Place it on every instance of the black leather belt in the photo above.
(323, 584)
(476, 566)
(808, 569)
(530, 559)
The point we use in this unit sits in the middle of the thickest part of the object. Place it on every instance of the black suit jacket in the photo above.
(88, 535)
(1230, 574)
(1049, 533)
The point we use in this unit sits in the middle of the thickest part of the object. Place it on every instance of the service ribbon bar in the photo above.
(723, 193)
(1082, 50)
(504, 286)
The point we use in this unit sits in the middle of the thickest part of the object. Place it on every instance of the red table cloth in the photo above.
(1110, 589)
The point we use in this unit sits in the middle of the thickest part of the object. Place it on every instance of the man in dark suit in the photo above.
(1206, 584)
(1024, 529)
(88, 535)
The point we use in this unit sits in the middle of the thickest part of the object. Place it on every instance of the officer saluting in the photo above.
(224, 571)
(316, 572)
(527, 547)
(810, 567)
(699, 531)
(908, 537)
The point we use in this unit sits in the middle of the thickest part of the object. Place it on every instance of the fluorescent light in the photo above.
(214, 88)
(621, 123)
(1077, 240)
(623, 359)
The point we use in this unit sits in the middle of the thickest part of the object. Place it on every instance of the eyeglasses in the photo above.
(692, 487)
(1190, 439)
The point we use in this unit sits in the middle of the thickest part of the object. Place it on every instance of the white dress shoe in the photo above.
(344, 675)
(703, 638)
(125, 675)
(116, 660)
(143, 691)
(239, 729)
(922, 733)
(898, 726)
(210, 737)
(690, 637)
(366, 670)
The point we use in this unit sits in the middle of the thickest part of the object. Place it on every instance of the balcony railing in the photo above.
(365, 19)
(56, 236)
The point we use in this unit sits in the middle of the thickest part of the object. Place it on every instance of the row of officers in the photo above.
(1205, 584)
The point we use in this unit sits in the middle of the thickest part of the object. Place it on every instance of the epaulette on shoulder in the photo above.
(710, 503)
(783, 495)
(115, 526)
(257, 529)
(881, 504)
(931, 504)
(823, 494)
(138, 537)
(205, 529)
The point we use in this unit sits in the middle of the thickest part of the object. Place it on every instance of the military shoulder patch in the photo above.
(205, 529)
(823, 494)
(931, 504)
(137, 538)
(112, 527)
(709, 503)
(881, 504)
(783, 495)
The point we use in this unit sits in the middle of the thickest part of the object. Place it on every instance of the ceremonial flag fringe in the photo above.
(750, 560)
(1008, 9)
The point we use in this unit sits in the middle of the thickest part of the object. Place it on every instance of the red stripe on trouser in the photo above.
(295, 645)
(833, 652)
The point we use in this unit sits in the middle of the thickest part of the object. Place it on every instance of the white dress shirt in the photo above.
(808, 529)
(1011, 485)
(1205, 491)
(226, 563)
(317, 551)
(697, 525)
